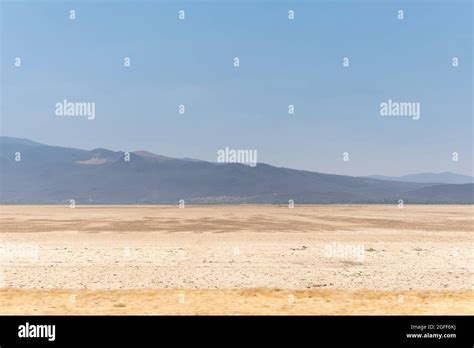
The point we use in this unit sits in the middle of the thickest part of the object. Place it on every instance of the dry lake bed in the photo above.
(237, 259)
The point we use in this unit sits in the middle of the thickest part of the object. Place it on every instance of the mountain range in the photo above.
(36, 173)
(440, 178)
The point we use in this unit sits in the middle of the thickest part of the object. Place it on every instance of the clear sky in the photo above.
(282, 62)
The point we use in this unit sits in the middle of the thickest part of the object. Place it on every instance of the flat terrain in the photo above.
(235, 302)
(241, 259)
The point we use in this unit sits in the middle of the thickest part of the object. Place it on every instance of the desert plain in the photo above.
(236, 259)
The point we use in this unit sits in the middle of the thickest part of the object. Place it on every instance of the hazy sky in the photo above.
(282, 62)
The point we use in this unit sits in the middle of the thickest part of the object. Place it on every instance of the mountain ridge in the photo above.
(54, 175)
(429, 177)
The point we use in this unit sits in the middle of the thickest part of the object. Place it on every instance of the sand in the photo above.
(235, 302)
(241, 259)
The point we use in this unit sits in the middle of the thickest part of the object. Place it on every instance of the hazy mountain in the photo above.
(447, 193)
(440, 178)
(52, 174)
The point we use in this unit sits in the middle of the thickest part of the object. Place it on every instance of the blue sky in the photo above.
(283, 62)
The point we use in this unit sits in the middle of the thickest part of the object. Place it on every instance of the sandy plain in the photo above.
(237, 259)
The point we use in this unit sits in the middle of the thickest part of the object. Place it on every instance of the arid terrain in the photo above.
(237, 259)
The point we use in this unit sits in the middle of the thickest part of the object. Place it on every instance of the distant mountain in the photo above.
(53, 174)
(440, 178)
(18, 141)
(448, 193)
